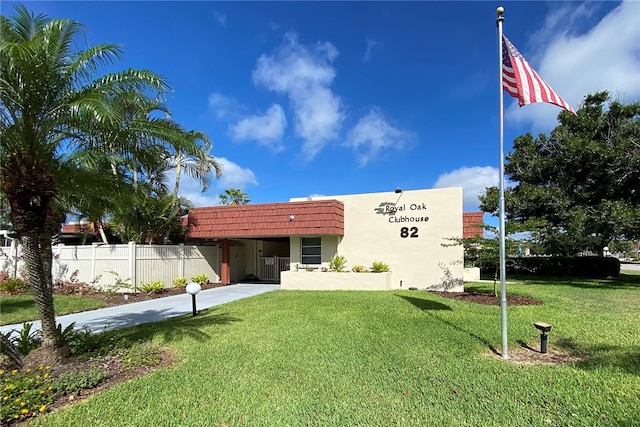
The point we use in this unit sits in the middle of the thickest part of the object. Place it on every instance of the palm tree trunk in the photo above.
(43, 294)
(47, 260)
(103, 235)
(179, 159)
(10, 350)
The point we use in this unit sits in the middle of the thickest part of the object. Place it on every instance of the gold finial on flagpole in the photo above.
(500, 11)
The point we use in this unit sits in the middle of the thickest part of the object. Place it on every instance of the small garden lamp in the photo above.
(193, 288)
(544, 328)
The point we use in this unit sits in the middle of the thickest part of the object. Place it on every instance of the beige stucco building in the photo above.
(407, 230)
(294, 242)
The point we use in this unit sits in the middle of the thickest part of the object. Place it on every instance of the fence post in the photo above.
(132, 266)
(93, 261)
(59, 247)
(182, 259)
(14, 255)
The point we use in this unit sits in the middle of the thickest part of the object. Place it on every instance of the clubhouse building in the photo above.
(294, 242)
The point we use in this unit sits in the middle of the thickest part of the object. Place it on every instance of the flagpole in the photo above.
(503, 280)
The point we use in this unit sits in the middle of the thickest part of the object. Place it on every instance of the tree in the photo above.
(152, 218)
(51, 99)
(234, 196)
(579, 186)
(198, 166)
(484, 252)
(142, 150)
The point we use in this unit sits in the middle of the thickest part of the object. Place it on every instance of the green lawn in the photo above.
(22, 308)
(292, 358)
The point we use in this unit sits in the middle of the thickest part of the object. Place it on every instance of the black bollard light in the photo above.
(193, 288)
(544, 328)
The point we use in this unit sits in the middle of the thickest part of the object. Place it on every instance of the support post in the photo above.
(132, 266)
(226, 258)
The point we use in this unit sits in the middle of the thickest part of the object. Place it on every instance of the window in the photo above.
(311, 250)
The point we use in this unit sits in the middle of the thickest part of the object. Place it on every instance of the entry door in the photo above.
(237, 263)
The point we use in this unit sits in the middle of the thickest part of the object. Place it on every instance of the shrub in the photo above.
(70, 288)
(83, 341)
(200, 279)
(27, 340)
(359, 269)
(180, 282)
(74, 382)
(154, 287)
(379, 267)
(578, 266)
(25, 394)
(13, 285)
(337, 263)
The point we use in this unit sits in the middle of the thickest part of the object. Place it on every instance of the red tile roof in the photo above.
(320, 217)
(472, 224)
(76, 227)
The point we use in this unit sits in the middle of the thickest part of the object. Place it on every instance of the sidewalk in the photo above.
(122, 316)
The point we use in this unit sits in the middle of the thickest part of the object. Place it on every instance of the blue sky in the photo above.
(329, 98)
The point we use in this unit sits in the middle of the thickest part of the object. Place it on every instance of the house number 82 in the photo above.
(409, 232)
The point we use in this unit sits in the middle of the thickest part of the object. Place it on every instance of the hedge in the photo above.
(583, 266)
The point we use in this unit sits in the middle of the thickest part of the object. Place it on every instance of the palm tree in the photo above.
(51, 100)
(199, 166)
(234, 196)
(152, 217)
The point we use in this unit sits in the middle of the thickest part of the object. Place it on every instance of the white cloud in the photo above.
(199, 200)
(370, 45)
(305, 75)
(235, 176)
(267, 128)
(224, 107)
(273, 26)
(191, 189)
(373, 134)
(473, 181)
(221, 18)
(605, 58)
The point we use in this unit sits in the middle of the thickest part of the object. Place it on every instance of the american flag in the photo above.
(522, 81)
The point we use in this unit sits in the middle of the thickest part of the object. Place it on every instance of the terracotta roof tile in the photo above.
(268, 220)
(471, 224)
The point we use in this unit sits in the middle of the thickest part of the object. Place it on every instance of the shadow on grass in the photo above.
(430, 307)
(169, 329)
(12, 305)
(625, 358)
(425, 304)
(623, 281)
(527, 346)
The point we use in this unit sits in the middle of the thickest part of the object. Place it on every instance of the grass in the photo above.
(294, 358)
(22, 308)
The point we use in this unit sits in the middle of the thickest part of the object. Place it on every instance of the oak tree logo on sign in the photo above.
(386, 208)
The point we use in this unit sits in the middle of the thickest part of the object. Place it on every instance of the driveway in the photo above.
(153, 310)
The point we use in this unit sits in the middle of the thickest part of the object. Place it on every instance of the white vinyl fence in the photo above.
(103, 265)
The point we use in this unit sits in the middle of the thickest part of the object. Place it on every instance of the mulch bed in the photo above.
(487, 299)
(113, 299)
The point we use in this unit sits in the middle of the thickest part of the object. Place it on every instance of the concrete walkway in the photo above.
(153, 310)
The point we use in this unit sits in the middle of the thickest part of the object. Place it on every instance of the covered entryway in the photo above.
(272, 258)
(270, 267)
(255, 239)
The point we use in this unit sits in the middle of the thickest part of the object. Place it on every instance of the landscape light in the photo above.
(544, 328)
(193, 288)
